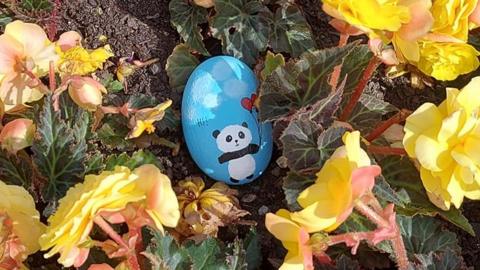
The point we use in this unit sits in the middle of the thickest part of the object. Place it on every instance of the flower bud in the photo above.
(17, 134)
(204, 3)
(86, 92)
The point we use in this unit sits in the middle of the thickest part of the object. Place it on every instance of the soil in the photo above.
(143, 27)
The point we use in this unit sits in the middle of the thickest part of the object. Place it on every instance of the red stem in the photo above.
(386, 150)
(132, 255)
(397, 118)
(357, 93)
(371, 214)
(399, 250)
(51, 77)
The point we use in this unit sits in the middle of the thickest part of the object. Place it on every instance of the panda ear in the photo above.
(244, 124)
(216, 133)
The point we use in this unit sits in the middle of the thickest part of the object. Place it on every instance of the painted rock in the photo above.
(220, 124)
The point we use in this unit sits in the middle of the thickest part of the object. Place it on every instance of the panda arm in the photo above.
(225, 158)
(253, 148)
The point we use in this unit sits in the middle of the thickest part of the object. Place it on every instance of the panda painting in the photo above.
(235, 143)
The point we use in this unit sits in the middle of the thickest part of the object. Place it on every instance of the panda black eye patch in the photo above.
(229, 138)
(241, 135)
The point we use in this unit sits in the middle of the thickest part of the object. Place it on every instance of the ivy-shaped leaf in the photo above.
(307, 146)
(137, 159)
(369, 112)
(448, 260)
(180, 64)
(272, 62)
(422, 235)
(165, 254)
(206, 256)
(293, 185)
(16, 169)
(186, 17)
(300, 83)
(243, 26)
(59, 150)
(94, 163)
(291, 33)
(252, 247)
(401, 174)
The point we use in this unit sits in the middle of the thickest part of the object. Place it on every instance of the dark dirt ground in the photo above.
(143, 27)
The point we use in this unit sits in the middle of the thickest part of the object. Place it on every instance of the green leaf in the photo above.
(243, 26)
(252, 247)
(307, 146)
(291, 33)
(206, 256)
(94, 163)
(165, 254)
(401, 174)
(186, 18)
(112, 85)
(448, 260)
(300, 83)
(293, 185)
(141, 101)
(423, 234)
(369, 112)
(171, 121)
(272, 62)
(36, 5)
(16, 169)
(113, 132)
(237, 260)
(137, 159)
(385, 192)
(4, 20)
(59, 150)
(180, 64)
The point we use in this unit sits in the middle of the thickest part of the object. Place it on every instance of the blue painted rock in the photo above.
(220, 124)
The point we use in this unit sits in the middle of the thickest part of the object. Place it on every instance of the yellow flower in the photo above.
(452, 17)
(86, 92)
(445, 140)
(80, 61)
(144, 119)
(111, 191)
(329, 201)
(18, 207)
(294, 238)
(203, 211)
(369, 15)
(24, 47)
(446, 61)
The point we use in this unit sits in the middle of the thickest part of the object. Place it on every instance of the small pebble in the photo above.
(155, 68)
(276, 172)
(248, 198)
(263, 210)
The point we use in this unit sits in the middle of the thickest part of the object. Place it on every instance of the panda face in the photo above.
(233, 138)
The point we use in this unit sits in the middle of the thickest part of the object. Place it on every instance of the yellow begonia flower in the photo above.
(23, 46)
(80, 61)
(294, 238)
(144, 119)
(329, 201)
(111, 191)
(369, 15)
(452, 17)
(446, 61)
(18, 206)
(203, 211)
(445, 140)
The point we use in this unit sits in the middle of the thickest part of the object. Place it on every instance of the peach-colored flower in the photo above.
(86, 92)
(23, 47)
(17, 134)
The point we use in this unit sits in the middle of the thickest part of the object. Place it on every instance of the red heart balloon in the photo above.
(247, 104)
(253, 98)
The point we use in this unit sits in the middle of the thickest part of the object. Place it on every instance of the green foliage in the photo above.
(290, 31)
(16, 169)
(59, 150)
(299, 83)
(36, 5)
(111, 84)
(402, 175)
(369, 112)
(94, 163)
(133, 161)
(113, 132)
(272, 61)
(447, 260)
(186, 18)
(180, 64)
(165, 254)
(4, 20)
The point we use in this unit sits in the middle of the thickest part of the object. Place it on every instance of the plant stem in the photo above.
(386, 150)
(132, 255)
(38, 82)
(399, 250)
(337, 70)
(371, 214)
(51, 77)
(397, 118)
(357, 93)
